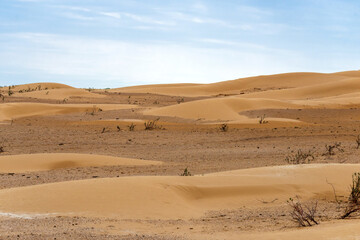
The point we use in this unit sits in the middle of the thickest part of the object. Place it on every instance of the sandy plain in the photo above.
(71, 168)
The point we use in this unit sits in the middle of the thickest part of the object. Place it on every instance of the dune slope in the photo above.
(177, 197)
(59, 94)
(50, 161)
(9, 111)
(259, 83)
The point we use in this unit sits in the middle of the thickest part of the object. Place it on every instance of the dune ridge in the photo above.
(9, 111)
(259, 83)
(51, 161)
(177, 197)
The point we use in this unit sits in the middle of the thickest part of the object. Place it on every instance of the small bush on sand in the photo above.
(357, 141)
(353, 204)
(131, 127)
(151, 124)
(330, 149)
(303, 214)
(94, 110)
(10, 92)
(262, 119)
(224, 127)
(300, 157)
(181, 100)
(186, 172)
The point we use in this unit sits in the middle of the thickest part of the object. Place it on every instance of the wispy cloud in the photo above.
(69, 57)
(77, 16)
(111, 14)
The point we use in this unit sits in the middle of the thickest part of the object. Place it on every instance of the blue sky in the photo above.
(113, 43)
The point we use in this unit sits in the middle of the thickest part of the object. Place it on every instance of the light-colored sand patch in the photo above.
(9, 111)
(51, 161)
(178, 197)
(60, 94)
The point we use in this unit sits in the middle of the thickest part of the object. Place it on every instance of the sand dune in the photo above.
(59, 94)
(330, 89)
(259, 83)
(220, 109)
(9, 111)
(50, 161)
(42, 85)
(177, 197)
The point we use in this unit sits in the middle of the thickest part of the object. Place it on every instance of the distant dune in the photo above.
(59, 94)
(260, 83)
(39, 86)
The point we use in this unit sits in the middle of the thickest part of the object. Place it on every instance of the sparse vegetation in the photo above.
(262, 119)
(353, 204)
(152, 124)
(357, 141)
(10, 92)
(181, 100)
(224, 127)
(2, 149)
(131, 127)
(300, 157)
(303, 214)
(330, 149)
(186, 172)
(95, 110)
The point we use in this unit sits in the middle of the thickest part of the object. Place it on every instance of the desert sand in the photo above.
(80, 164)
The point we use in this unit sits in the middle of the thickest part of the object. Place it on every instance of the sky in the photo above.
(116, 43)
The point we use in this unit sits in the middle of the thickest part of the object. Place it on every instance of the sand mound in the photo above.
(59, 94)
(9, 111)
(38, 86)
(259, 83)
(51, 161)
(329, 89)
(178, 197)
(219, 109)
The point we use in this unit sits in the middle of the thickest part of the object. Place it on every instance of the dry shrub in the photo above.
(330, 149)
(186, 172)
(131, 127)
(300, 157)
(358, 141)
(303, 214)
(152, 124)
(354, 197)
(224, 127)
(262, 119)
